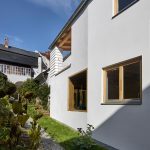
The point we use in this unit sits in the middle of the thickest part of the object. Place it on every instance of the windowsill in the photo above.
(123, 102)
(125, 9)
(74, 110)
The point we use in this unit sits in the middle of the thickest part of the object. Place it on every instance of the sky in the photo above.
(33, 24)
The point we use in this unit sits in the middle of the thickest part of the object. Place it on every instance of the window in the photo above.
(9, 69)
(123, 82)
(121, 5)
(78, 92)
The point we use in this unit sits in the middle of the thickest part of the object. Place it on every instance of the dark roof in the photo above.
(19, 51)
(83, 5)
(18, 56)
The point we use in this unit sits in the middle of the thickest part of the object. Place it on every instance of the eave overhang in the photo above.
(65, 44)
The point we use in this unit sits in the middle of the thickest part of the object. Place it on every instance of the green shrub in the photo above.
(43, 94)
(3, 80)
(2, 93)
(31, 89)
(85, 141)
(4, 134)
(13, 116)
(6, 87)
(31, 86)
(9, 88)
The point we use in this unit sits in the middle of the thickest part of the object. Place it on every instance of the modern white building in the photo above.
(105, 81)
(20, 65)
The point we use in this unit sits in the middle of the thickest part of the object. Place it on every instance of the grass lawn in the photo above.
(61, 133)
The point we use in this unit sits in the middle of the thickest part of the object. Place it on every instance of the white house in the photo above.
(105, 81)
(19, 64)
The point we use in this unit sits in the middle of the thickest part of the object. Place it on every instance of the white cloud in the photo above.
(58, 6)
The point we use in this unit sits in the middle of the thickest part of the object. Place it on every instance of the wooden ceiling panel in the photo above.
(65, 41)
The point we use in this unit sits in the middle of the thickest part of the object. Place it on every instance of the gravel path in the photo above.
(46, 141)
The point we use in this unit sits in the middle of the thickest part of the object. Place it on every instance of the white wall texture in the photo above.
(59, 83)
(99, 41)
(15, 78)
(39, 64)
(111, 41)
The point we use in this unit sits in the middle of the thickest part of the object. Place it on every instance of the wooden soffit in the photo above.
(64, 41)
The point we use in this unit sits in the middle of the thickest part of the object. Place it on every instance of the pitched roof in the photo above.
(18, 56)
(83, 5)
(18, 51)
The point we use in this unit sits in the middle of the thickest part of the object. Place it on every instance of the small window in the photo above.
(121, 5)
(123, 81)
(78, 92)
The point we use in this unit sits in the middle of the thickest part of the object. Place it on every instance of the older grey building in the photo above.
(19, 64)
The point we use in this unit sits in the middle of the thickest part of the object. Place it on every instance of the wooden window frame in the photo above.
(116, 11)
(121, 99)
(71, 90)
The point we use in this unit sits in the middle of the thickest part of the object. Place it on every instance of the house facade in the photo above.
(105, 81)
(20, 65)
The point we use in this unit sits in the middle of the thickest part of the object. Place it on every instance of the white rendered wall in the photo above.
(80, 43)
(109, 41)
(15, 78)
(125, 127)
(59, 83)
(59, 103)
(39, 64)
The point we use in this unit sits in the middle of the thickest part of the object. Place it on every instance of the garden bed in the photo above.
(67, 137)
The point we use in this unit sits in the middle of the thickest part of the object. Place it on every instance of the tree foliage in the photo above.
(13, 116)
(31, 86)
(6, 87)
(43, 94)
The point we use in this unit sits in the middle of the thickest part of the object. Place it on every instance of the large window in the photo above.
(78, 92)
(123, 81)
(121, 5)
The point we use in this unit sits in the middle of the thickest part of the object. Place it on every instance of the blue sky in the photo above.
(33, 24)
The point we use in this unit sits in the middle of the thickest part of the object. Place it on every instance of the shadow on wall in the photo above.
(129, 127)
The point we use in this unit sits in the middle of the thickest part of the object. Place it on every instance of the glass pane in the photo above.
(113, 84)
(132, 81)
(124, 3)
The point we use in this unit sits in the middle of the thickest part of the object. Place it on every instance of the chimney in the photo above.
(39, 64)
(6, 43)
